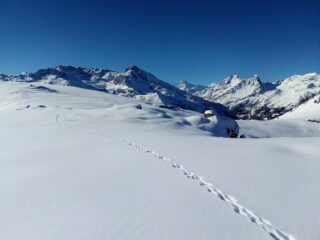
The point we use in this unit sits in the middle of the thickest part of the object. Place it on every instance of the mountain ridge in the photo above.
(244, 98)
(133, 82)
(250, 98)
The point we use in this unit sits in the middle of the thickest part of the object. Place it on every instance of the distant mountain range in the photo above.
(252, 99)
(234, 96)
(133, 82)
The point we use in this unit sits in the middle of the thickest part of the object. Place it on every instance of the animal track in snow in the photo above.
(266, 225)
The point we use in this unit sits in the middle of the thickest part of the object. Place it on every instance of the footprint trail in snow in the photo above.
(266, 225)
(232, 202)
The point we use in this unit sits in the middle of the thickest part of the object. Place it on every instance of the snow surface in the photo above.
(83, 164)
(309, 110)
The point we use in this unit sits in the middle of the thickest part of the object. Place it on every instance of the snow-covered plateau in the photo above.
(118, 159)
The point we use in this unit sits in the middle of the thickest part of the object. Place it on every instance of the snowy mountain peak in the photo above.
(255, 79)
(230, 79)
(137, 73)
(184, 85)
(232, 89)
(237, 80)
(133, 68)
(189, 87)
(64, 68)
(251, 98)
(256, 76)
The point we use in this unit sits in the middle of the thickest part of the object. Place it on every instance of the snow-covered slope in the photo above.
(250, 98)
(309, 110)
(83, 164)
(21, 96)
(133, 82)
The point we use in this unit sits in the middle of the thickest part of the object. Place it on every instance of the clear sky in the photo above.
(198, 41)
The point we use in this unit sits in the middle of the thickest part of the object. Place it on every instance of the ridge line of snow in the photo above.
(266, 225)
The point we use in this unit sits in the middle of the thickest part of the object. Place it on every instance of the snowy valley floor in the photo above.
(90, 165)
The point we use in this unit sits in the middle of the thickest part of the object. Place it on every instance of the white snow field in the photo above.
(79, 164)
(307, 111)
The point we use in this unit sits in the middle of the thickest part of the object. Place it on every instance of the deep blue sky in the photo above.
(198, 41)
